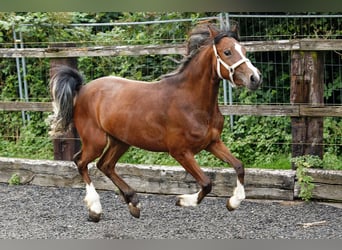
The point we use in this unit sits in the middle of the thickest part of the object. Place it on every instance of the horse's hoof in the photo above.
(134, 210)
(233, 203)
(229, 207)
(94, 217)
(181, 202)
(178, 202)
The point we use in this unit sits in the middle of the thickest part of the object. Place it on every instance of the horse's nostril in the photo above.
(255, 79)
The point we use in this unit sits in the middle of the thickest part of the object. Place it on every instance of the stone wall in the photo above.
(259, 183)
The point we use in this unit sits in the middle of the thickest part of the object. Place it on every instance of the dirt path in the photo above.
(33, 212)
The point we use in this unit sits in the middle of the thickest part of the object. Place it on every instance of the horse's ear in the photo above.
(212, 31)
(234, 30)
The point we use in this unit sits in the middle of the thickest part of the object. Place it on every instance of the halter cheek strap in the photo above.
(231, 69)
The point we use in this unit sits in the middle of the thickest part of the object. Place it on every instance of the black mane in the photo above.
(199, 37)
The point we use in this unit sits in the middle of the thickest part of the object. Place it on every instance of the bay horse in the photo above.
(178, 114)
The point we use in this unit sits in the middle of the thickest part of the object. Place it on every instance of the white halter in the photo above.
(231, 69)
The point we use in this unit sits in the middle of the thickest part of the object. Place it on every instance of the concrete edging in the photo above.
(259, 183)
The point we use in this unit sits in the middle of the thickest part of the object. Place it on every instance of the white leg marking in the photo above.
(92, 199)
(188, 200)
(238, 195)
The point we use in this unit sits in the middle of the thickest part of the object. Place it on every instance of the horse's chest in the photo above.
(202, 133)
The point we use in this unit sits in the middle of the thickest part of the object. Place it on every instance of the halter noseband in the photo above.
(231, 69)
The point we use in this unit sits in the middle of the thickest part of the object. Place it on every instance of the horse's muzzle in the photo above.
(255, 81)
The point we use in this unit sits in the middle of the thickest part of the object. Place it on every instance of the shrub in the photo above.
(302, 163)
(14, 180)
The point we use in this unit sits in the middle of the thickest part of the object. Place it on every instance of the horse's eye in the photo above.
(227, 52)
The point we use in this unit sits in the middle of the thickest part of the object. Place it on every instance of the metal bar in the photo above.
(128, 23)
(191, 19)
(285, 16)
(23, 62)
(18, 74)
(230, 89)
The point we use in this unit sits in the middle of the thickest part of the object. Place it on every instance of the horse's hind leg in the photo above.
(222, 152)
(82, 159)
(107, 164)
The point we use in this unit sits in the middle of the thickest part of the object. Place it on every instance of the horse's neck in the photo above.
(197, 84)
(208, 95)
(202, 81)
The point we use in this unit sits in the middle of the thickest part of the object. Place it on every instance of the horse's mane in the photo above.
(199, 37)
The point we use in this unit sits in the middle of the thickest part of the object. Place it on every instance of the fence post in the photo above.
(68, 144)
(307, 88)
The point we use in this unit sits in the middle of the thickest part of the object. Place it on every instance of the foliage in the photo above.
(14, 180)
(304, 28)
(330, 87)
(149, 67)
(257, 141)
(332, 161)
(305, 180)
(332, 135)
(28, 143)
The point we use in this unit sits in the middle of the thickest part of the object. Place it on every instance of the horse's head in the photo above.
(231, 62)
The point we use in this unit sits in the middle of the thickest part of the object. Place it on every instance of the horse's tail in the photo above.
(64, 86)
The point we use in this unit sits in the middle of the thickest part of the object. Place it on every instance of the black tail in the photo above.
(64, 86)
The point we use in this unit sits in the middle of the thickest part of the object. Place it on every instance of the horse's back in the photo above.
(111, 85)
(131, 111)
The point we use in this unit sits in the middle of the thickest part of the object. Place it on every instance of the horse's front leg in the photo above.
(187, 160)
(222, 152)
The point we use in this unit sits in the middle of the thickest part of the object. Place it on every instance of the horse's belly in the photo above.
(143, 131)
(147, 139)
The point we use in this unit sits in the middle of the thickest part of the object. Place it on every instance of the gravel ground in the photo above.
(33, 212)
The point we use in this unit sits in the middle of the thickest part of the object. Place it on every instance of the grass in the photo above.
(204, 159)
(278, 162)
(138, 156)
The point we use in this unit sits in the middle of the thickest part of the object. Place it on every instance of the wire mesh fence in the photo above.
(275, 65)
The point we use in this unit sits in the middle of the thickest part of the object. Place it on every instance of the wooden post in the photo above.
(68, 144)
(307, 88)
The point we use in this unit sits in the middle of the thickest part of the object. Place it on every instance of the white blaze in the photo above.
(238, 48)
